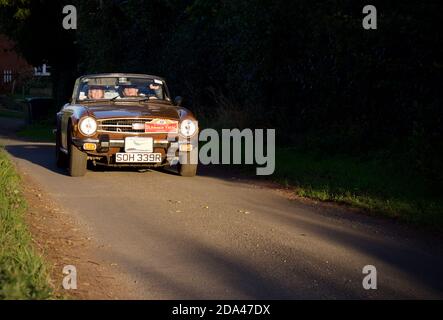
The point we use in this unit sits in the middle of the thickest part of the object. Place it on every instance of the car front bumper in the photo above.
(105, 149)
(106, 143)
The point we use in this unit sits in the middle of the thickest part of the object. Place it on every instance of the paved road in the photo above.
(216, 237)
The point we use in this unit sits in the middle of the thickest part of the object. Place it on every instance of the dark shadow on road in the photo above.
(41, 154)
(262, 277)
(419, 259)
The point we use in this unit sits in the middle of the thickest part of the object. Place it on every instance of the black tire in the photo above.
(164, 168)
(78, 162)
(61, 159)
(187, 170)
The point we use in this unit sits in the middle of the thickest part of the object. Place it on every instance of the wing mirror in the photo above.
(178, 101)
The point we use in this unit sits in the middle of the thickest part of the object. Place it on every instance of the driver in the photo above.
(130, 91)
(155, 90)
(95, 92)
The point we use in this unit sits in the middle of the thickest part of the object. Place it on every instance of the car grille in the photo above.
(121, 125)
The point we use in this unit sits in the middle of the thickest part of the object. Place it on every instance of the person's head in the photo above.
(155, 90)
(130, 91)
(154, 86)
(96, 92)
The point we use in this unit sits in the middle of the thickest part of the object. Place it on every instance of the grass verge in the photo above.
(39, 131)
(378, 184)
(11, 114)
(23, 274)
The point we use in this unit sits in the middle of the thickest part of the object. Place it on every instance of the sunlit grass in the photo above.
(379, 185)
(23, 274)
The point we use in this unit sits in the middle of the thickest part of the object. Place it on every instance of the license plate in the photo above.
(139, 144)
(134, 157)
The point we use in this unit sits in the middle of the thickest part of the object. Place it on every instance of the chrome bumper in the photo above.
(116, 143)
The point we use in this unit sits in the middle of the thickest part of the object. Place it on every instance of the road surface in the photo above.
(215, 237)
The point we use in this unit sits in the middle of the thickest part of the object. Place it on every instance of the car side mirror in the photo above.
(178, 101)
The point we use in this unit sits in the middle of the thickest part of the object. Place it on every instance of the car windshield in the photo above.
(114, 88)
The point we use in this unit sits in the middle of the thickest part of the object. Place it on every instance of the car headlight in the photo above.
(87, 126)
(188, 128)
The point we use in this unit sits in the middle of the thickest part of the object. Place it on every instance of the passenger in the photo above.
(96, 92)
(130, 91)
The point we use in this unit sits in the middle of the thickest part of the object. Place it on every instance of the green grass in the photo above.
(23, 274)
(11, 114)
(41, 131)
(379, 184)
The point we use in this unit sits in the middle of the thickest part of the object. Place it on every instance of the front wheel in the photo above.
(60, 157)
(187, 170)
(78, 162)
(187, 163)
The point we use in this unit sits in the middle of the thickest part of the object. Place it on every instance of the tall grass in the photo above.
(23, 274)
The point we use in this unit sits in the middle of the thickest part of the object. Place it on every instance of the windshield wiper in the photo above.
(127, 99)
(145, 99)
(113, 99)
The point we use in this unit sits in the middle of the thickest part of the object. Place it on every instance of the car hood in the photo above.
(103, 111)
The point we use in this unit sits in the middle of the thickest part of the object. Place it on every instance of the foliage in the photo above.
(36, 26)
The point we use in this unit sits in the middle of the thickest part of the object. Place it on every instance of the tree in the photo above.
(36, 27)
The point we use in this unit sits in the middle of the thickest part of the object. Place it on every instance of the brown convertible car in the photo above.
(125, 120)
